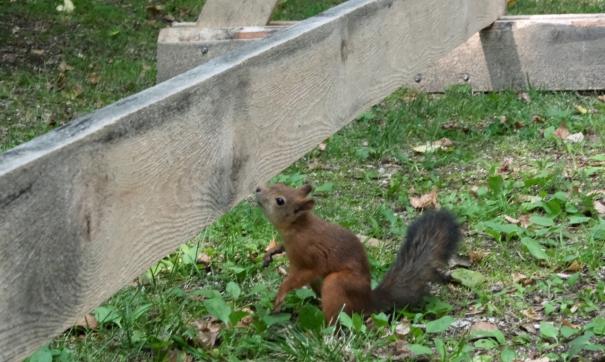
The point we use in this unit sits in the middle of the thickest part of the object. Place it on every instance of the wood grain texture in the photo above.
(89, 206)
(230, 13)
(552, 52)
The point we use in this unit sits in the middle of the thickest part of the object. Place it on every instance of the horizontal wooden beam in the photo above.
(551, 52)
(91, 205)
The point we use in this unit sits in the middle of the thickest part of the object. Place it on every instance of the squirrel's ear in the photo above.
(306, 189)
(305, 205)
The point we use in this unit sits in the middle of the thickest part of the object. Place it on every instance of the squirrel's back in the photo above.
(430, 242)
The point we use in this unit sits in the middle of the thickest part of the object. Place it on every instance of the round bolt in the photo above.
(466, 77)
(204, 50)
(418, 78)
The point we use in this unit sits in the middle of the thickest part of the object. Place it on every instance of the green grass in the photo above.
(364, 179)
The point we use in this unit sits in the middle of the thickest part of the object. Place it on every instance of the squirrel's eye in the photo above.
(280, 201)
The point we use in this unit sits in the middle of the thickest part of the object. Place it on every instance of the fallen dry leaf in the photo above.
(541, 359)
(601, 98)
(523, 96)
(522, 279)
(581, 109)
(93, 78)
(562, 132)
(599, 206)
(530, 313)
(425, 201)
(281, 270)
(272, 245)
(537, 119)
(477, 255)
(247, 320)
(178, 356)
(63, 67)
(482, 326)
(370, 241)
(89, 322)
(575, 267)
(207, 332)
(567, 323)
(322, 146)
(524, 221)
(505, 165)
(511, 219)
(203, 259)
(475, 310)
(529, 327)
(457, 260)
(442, 144)
(403, 328)
(575, 138)
(397, 351)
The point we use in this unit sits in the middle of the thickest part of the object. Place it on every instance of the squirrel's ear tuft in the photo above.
(305, 205)
(306, 189)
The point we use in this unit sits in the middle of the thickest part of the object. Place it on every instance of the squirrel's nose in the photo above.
(258, 189)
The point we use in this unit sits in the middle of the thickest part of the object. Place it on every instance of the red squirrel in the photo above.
(333, 261)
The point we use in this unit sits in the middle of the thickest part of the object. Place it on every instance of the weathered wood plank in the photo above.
(553, 52)
(230, 13)
(91, 205)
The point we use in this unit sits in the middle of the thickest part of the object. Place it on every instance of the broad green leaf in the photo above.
(541, 220)
(568, 331)
(138, 313)
(42, 355)
(108, 314)
(439, 325)
(236, 316)
(506, 229)
(419, 350)
(575, 220)
(437, 307)
(380, 319)
(508, 355)
(496, 334)
(495, 183)
(358, 324)
(234, 290)
(345, 320)
(579, 343)
(548, 330)
(486, 344)
(597, 326)
(535, 249)
(218, 308)
(271, 319)
(468, 278)
(310, 317)
(327, 187)
(598, 232)
(304, 293)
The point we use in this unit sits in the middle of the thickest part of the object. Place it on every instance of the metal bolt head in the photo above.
(418, 78)
(466, 77)
(204, 50)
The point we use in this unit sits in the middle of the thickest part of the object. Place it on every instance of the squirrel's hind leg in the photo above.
(344, 291)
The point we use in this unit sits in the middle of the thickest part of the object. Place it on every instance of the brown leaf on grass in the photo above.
(523, 96)
(599, 206)
(247, 320)
(452, 125)
(482, 327)
(272, 245)
(529, 328)
(511, 219)
(370, 241)
(567, 323)
(562, 132)
(397, 351)
(477, 255)
(505, 165)
(425, 201)
(601, 98)
(537, 119)
(203, 259)
(522, 279)
(322, 147)
(442, 144)
(176, 355)
(207, 332)
(575, 267)
(89, 322)
(403, 328)
(541, 359)
(457, 260)
(64, 67)
(531, 314)
(475, 310)
(93, 78)
(281, 270)
(524, 221)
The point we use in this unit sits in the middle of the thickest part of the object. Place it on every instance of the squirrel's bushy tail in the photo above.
(430, 242)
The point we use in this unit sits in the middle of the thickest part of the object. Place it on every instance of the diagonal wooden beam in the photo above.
(89, 206)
